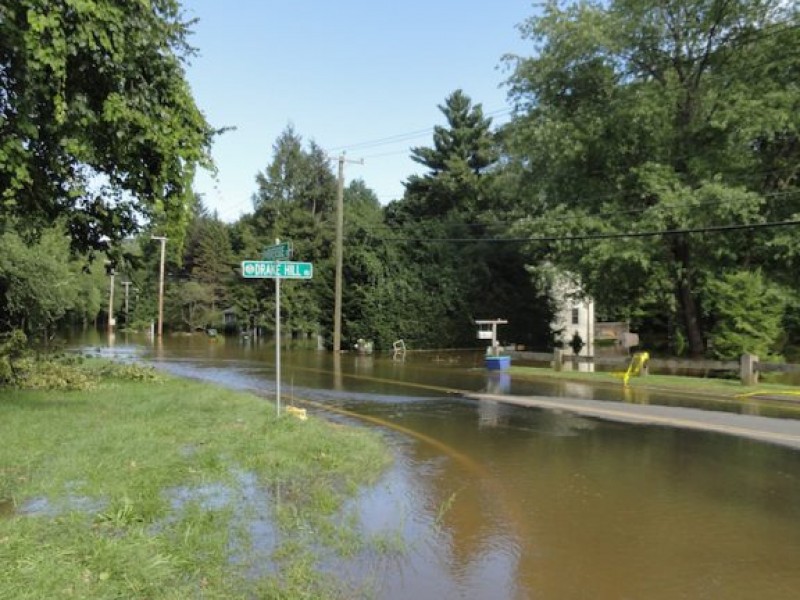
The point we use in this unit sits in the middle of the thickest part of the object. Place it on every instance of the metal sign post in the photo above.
(276, 267)
(278, 344)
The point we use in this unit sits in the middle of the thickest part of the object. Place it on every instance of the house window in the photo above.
(575, 316)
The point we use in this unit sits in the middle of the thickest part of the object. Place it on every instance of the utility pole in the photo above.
(127, 284)
(163, 241)
(111, 303)
(337, 307)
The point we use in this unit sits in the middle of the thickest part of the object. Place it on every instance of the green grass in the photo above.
(728, 388)
(107, 464)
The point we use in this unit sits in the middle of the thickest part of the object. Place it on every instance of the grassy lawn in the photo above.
(728, 388)
(174, 489)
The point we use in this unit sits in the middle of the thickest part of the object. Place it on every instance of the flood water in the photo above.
(496, 501)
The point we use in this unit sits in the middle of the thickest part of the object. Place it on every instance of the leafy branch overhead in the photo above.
(97, 122)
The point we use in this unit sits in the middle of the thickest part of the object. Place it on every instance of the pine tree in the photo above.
(461, 154)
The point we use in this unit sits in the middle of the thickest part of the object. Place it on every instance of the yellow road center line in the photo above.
(465, 460)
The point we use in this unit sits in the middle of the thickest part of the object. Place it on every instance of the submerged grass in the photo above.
(135, 489)
(729, 388)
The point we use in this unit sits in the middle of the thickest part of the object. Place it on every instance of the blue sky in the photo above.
(341, 73)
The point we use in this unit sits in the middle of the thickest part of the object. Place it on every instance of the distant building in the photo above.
(229, 317)
(617, 333)
(575, 314)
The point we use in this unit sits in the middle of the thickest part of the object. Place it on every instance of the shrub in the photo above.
(53, 375)
(127, 371)
(12, 349)
(748, 312)
(19, 368)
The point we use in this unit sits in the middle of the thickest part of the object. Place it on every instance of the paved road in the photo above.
(785, 432)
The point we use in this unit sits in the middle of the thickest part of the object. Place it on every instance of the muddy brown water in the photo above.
(495, 501)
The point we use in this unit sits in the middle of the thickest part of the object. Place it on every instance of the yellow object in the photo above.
(300, 413)
(635, 368)
(768, 393)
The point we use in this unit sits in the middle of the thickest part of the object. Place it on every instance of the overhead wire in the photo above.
(602, 236)
(402, 137)
(576, 218)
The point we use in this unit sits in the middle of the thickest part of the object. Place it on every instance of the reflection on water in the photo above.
(600, 510)
(498, 382)
(446, 552)
(525, 503)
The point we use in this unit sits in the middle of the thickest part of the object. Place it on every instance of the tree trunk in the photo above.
(688, 307)
(686, 300)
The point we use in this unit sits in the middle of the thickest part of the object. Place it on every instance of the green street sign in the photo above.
(282, 251)
(267, 269)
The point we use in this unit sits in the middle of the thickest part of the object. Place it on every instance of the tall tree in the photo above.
(462, 152)
(294, 200)
(747, 314)
(97, 122)
(638, 116)
(208, 257)
(367, 309)
(297, 177)
(456, 218)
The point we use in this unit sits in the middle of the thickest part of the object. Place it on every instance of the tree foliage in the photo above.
(294, 201)
(454, 218)
(97, 123)
(36, 290)
(296, 177)
(208, 256)
(748, 313)
(638, 116)
(463, 151)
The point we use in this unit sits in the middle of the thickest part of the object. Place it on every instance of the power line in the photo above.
(603, 236)
(402, 137)
(573, 217)
(405, 150)
(602, 214)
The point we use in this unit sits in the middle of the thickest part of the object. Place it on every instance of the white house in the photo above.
(574, 314)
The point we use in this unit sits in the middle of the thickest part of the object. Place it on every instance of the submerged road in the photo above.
(785, 432)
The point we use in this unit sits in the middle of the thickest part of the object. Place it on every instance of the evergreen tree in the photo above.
(457, 219)
(208, 258)
(294, 200)
(462, 153)
(296, 177)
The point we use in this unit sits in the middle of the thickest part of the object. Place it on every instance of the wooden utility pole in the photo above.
(111, 303)
(337, 306)
(127, 285)
(163, 241)
(337, 303)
